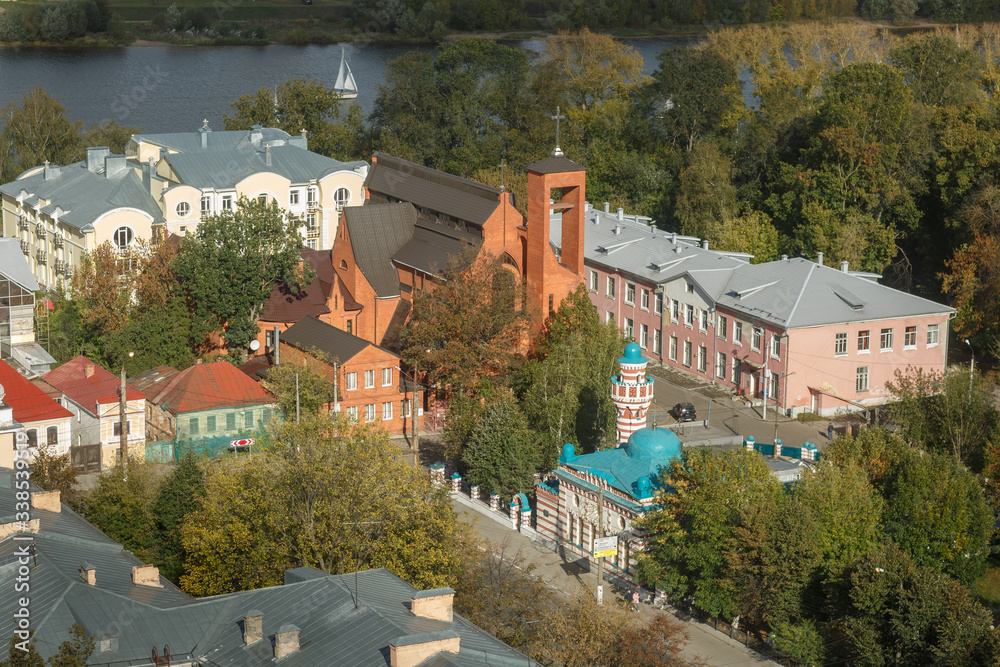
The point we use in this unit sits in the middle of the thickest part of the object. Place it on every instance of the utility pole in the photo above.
(123, 421)
(414, 442)
(296, 398)
(599, 531)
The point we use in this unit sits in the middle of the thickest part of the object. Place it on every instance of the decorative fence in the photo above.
(514, 515)
(807, 452)
(167, 451)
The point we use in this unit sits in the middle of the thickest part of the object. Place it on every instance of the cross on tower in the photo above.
(557, 152)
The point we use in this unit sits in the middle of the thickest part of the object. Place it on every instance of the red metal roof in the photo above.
(101, 387)
(30, 403)
(207, 386)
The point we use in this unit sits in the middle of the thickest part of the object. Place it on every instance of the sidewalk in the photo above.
(713, 647)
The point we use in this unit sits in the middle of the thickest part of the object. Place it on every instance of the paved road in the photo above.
(714, 648)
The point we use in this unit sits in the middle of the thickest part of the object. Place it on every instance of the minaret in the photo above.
(631, 392)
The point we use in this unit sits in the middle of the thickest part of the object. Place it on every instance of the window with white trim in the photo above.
(123, 238)
(643, 336)
(629, 328)
(885, 340)
(227, 202)
(293, 197)
(720, 366)
(611, 316)
(183, 209)
(341, 198)
(675, 310)
(593, 281)
(703, 320)
(387, 411)
(404, 408)
(611, 287)
(864, 341)
(657, 341)
(386, 377)
(687, 353)
(910, 337)
(861, 381)
(311, 196)
(702, 358)
(932, 335)
(630, 293)
(351, 381)
(370, 379)
(689, 314)
(775, 386)
(370, 412)
(673, 348)
(658, 304)
(721, 326)
(352, 413)
(644, 304)
(206, 205)
(840, 344)
(758, 335)
(738, 333)
(776, 347)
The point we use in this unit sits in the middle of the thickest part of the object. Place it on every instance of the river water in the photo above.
(172, 88)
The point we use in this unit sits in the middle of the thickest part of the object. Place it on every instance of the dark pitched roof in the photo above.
(256, 367)
(432, 246)
(309, 333)
(283, 306)
(154, 379)
(377, 231)
(429, 188)
(209, 631)
(555, 165)
(391, 339)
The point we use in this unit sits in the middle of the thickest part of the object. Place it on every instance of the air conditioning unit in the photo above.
(41, 255)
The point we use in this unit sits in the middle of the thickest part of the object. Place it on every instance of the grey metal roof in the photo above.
(14, 266)
(555, 165)
(225, 168)
(337, 345)
(84, 195)
(134, 619)
(799, 293)
(186, 142)
(376, 232)
(432, 189)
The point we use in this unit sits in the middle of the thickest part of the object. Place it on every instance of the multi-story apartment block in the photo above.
(170, 181)
(797, 333)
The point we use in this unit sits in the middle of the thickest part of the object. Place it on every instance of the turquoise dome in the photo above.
(654, 443)
(633, 355)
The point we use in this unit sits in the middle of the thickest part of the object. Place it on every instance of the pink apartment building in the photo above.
(811, 337)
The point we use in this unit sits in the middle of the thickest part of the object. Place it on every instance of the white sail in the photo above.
(345, 84)
(349, 85)
(339, 85)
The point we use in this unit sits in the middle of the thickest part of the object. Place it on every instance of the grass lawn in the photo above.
(987, 586)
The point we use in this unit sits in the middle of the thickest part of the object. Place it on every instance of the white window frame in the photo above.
(206, 205)
(643, 336)
(840, 344)
(865, 337)
(861, 379)
(404, 408)
(737, 333)
(611, 287)
(386, 377)
(386, 411)
(720, 365)
(688, 354)
(702, 359)
(351, 381)
(630, 293)
(227, 202)
(644, 302)
(910, 337)
(776, 346)
(933, 332)
(293, 197)
(675, 310)
(757, 339)
(611, 316)
(593, 281)
(369, 412)
(658, 303)
(629, 328)
(339, 200)
(672, 349)
(657, 342)
(352, 413)
(370, 379)
(183, 209)
(885, 339)
(703, 320)
(688, 315)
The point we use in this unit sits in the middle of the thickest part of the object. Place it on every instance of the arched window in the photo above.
(52, 435)
(123, 237)
(183, 209)
(343, 264)
(341, 198)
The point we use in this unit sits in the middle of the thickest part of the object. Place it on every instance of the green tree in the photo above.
(703, 495)
(121, 507)
(501, 454)
(935, 511)
(802, 642)
(750, 232)
(177, 499)
(565, 393)
(35, 131)
(876, 450)
(74, 651)
(938, 70)
(469, 325)
(55, 473)
(229, 267)
(110, 134)
(950, 412)
(304, 104)
(706, 193)
(695, 93)
(302, 383)
(17, 657)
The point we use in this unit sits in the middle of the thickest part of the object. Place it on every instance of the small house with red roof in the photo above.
(204, 401)
(46, 423)
(93, 395)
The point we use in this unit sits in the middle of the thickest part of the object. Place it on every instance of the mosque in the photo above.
(629, 475)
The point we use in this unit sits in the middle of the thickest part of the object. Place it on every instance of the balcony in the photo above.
(58, 241)
(40, 231)
(22, 224)
(25, 248)
(312, 205)
(60, 266)
(68, 270)
(41, 256)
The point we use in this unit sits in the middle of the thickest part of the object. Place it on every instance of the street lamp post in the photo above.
(972, 364)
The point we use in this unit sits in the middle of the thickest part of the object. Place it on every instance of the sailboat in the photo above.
(345, 85)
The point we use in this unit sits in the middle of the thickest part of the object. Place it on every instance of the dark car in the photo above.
(684, 412)
(307, 2)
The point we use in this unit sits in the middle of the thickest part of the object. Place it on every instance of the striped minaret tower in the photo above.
(632, 392)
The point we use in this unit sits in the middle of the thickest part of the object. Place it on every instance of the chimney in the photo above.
(95, 157)
(146, 575)
(276, 339)
(819, 258)
(255, 134)
(843, 266)
(114, 164)
(784, 257)
(704, 244)
(607, 207)
(286, 641)
(621, 214)
(46, 500)
(88, 574)
(267, 155)
(253, 627)
(88, 370)
(147, 168)
(51, 171)
(199, 361)
(436, 603)
(411, 650)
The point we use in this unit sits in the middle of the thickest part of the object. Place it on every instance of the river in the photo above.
(172, 88)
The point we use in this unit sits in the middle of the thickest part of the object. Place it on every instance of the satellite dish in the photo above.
(254, 345)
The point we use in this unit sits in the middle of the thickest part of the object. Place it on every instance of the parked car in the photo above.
(684, 412)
